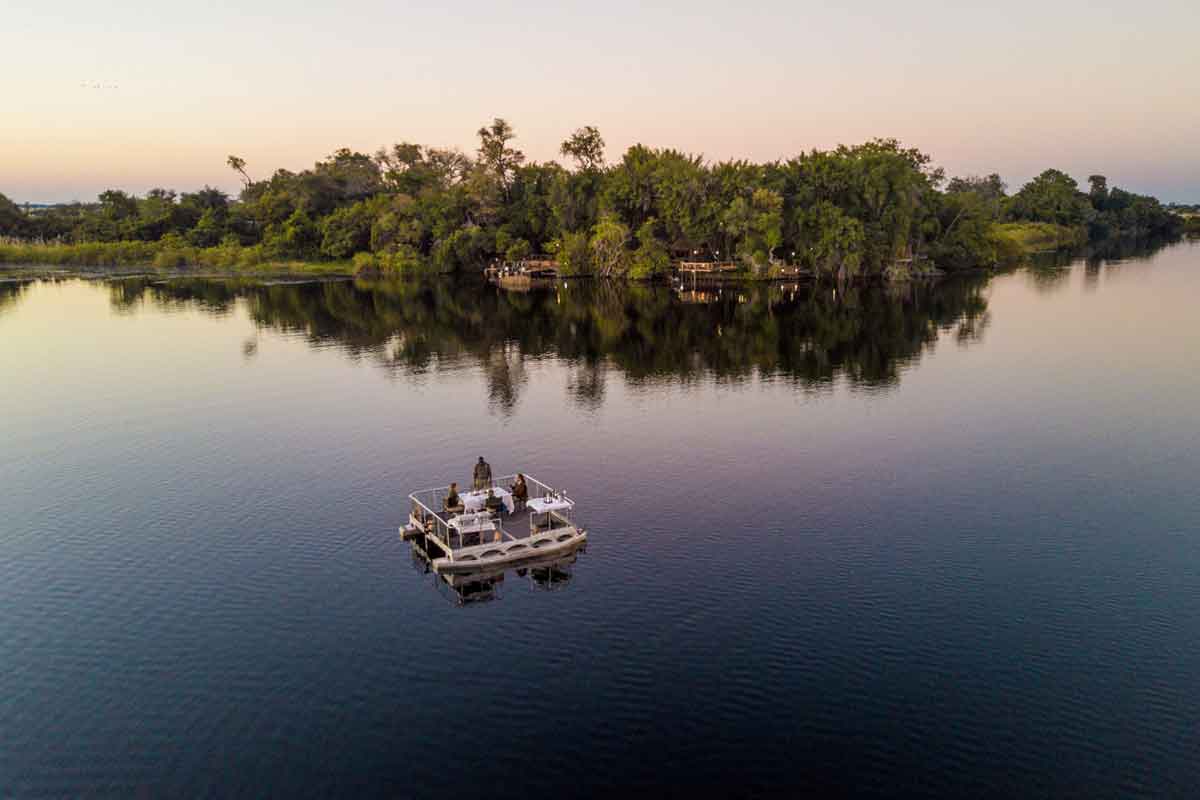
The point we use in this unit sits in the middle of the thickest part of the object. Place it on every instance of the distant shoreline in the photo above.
(154, 258)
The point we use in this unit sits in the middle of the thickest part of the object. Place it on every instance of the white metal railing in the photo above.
(427, 507)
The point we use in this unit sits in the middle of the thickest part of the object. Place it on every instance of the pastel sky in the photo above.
(135, 94)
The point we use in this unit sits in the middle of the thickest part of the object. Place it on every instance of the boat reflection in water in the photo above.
(548, 573)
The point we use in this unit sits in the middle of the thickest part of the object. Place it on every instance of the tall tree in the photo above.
(586, 146)
(496, 155)
(238, 165)
(1052, 196)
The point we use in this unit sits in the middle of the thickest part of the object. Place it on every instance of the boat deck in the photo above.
(513, 527)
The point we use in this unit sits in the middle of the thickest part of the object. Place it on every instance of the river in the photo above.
(938, 540)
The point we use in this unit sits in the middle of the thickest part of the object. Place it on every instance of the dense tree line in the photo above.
(853, 210)
(1055, 197)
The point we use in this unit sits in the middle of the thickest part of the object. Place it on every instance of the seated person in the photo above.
(454, 503)
(520, 492)
(493, 504)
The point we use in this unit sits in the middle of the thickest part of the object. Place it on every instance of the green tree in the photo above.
(466, 247)
(586, 146)
(609, 246)
(238, 165)
(964, 234)
(412, 168)
(496, 156)
(835, 241)
(398, 224)
(348, 177)
(193, 205)
(208, 230)
(574, 254)
(575, 200)
(157, 215)
(348, 229)
(681, 185)
(1053, 197)
(990, 189)
(296, 237)
(518, 250)
(529, 213)
(766, 227)
(114, 219)
(629, 189)
(12, 220)
(651, 258)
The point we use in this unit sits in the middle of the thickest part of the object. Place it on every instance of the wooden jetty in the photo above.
(523, 275)
(707, 267)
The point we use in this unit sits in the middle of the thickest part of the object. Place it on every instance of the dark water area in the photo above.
(935, 540)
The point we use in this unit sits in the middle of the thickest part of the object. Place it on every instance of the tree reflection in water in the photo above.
(1051, 271)
(804, 333)
(11, 292)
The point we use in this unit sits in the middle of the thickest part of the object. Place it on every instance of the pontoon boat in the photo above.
(475, 538)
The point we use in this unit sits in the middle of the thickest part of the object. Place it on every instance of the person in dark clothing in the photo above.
(493, 504)
(453, 501)
(520, 492)
(483, 474)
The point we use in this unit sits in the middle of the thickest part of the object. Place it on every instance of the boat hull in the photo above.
(491, 554)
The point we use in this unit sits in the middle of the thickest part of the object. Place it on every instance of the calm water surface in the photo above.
(918, 541)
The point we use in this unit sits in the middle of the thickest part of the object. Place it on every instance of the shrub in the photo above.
(574, 254)
(610, 257)
(651, 257)
(365, 263)
(518, 250)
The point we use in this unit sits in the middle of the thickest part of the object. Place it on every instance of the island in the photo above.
(877, 209)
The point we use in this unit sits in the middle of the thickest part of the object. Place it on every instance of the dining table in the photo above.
(476, 500)
(544, 505)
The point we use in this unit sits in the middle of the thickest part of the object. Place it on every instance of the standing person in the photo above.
(483, 474)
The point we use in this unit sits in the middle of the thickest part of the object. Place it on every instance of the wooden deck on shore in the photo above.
(732, 271)
(707, 267)
(524, 275)
(525, 283)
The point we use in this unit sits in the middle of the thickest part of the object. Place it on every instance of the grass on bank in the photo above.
(1021, 238)
(1014, 239)
(163, 255)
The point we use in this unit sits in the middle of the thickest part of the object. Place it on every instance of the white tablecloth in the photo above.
(470, 523)
(473, 501)
(542, 505)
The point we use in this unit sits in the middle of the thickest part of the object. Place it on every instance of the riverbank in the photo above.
(165, 257)
(1025, 238)
(1015, 240)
